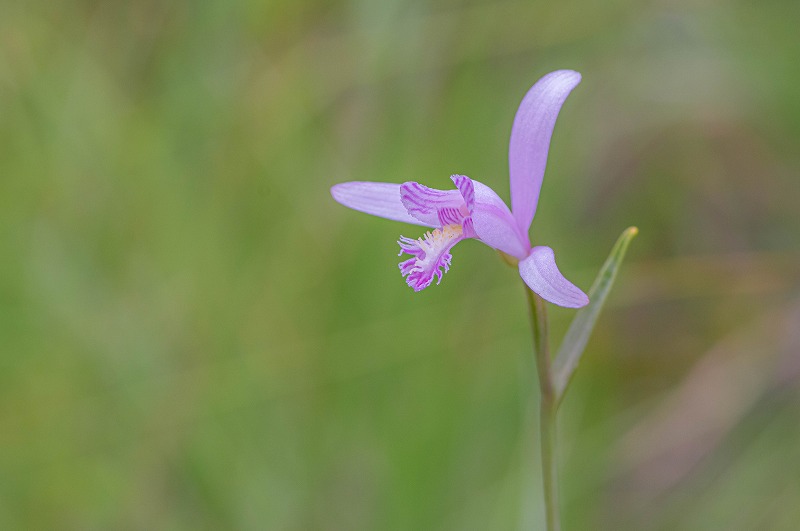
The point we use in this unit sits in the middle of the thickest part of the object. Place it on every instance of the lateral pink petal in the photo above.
(431, 206)
(378, 199)
(530, 140)
(494, 224)
(540, 273)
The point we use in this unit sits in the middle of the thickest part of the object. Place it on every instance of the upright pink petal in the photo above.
(378, 199)
(540, 273)
(494, 224)
(464, 185)
(530, 140)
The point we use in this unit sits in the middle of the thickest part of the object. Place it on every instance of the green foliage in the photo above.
(574, 343)
(193, 335)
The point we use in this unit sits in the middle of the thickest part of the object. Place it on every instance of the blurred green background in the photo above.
(194, 335)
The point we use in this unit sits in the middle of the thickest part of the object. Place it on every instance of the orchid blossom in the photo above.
(473, 210)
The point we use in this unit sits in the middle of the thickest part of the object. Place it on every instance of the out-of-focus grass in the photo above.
(194, 335)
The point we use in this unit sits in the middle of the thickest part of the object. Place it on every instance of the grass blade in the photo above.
(577, 336)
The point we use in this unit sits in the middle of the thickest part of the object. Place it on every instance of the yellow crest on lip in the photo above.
(439, 238)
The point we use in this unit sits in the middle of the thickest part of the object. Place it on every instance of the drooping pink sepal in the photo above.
(540, 273)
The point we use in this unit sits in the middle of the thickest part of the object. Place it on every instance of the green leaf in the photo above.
(577, 336)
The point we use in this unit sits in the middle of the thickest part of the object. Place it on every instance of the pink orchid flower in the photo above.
(473, 210)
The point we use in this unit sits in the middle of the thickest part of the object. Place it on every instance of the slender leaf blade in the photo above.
(574, 343)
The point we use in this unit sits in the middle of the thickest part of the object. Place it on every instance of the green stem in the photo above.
(548, 406)
(549, 466)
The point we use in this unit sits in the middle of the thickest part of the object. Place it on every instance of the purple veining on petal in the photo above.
(450, 216)
(431, 255)
(425, 203)
(530, 140)
(540, 273)
(468, 228)
(465, 187)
